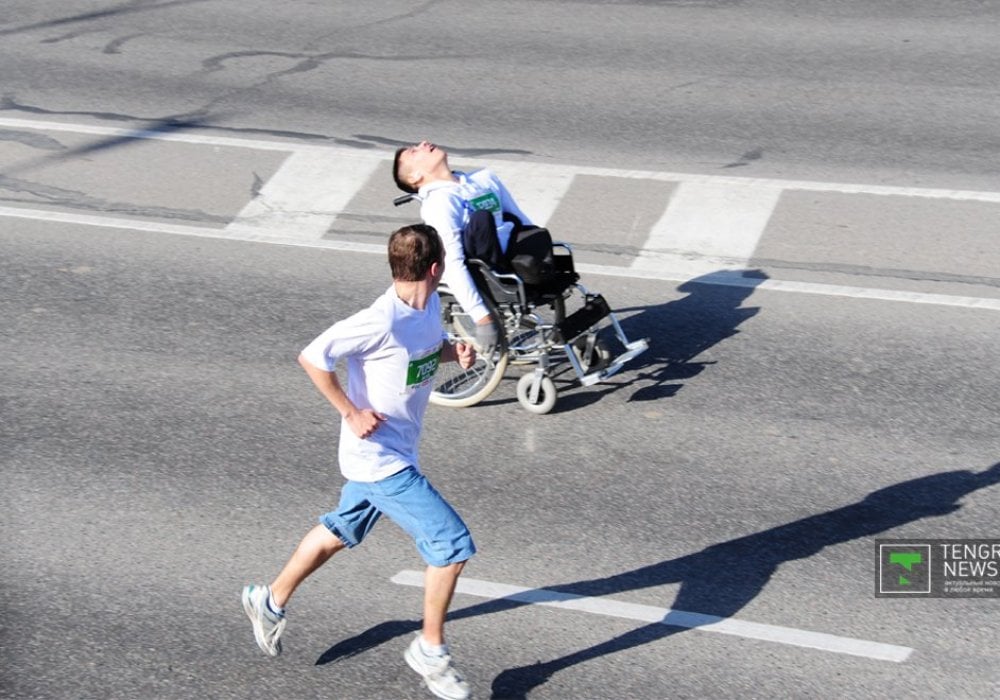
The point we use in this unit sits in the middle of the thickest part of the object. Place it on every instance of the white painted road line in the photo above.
(718, 272)
(178, 135)
(667, 616)
(263, 236)
(305, 195)
(546, 170)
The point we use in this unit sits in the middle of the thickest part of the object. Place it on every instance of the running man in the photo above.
(392, 350)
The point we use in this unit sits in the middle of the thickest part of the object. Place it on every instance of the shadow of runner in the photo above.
(720, 580)
(369, 639)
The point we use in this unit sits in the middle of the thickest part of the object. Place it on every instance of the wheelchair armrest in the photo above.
(498, 278)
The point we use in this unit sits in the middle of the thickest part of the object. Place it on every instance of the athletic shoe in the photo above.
(267, 625)
(440, 676)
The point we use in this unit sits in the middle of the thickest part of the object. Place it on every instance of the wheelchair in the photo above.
(535, 331)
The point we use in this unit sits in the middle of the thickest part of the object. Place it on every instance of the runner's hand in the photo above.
(465, 355)
(364, 422)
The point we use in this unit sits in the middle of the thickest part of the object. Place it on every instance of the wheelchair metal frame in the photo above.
(530, 339)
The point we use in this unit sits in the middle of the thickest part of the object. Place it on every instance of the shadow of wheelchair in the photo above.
(679, 331)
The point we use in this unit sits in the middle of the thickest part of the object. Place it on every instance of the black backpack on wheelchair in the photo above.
(529, 251)
(532, 259)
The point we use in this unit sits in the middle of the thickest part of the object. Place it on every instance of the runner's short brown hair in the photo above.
(412, 251)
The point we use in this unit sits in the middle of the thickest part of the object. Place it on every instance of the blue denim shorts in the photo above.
(410, 501)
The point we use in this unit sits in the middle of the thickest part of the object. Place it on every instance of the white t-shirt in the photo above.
(446, 206)
(392, 352)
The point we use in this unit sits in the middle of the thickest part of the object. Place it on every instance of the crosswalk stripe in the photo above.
(538, 192)
(305, 195)
(712, 219)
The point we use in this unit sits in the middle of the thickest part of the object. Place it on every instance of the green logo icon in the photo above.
(904, 568)
(905, 560)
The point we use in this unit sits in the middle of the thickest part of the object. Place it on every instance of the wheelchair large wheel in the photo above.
(456, 387)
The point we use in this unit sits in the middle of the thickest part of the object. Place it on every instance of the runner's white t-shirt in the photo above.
(446, 205)
(392, 352)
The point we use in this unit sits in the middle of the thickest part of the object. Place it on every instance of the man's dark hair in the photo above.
(412, 251)
(400, 183)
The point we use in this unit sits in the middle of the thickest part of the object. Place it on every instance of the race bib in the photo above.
(486, 202)
(421, 370)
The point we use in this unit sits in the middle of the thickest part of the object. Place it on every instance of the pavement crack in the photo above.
(114, 47)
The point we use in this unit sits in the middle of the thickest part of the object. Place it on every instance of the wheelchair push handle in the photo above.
(403, 199)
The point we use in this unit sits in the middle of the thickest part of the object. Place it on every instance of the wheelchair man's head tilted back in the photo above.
(419, 164)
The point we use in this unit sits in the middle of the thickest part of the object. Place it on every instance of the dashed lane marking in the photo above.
(667, 616)
(709, 228)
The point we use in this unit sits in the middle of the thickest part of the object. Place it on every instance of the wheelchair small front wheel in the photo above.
(540, 401)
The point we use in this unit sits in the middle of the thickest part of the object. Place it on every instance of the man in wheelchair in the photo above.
(476, 217)
(493, 249)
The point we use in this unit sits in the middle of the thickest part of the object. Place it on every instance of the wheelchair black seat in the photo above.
(531, 282)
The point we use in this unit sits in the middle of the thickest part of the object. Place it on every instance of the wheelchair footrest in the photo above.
(632, 350)
(593, 310)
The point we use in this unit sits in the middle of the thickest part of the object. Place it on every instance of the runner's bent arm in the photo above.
(362, 422)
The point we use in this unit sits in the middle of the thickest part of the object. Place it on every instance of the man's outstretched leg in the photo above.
(428, 653)
(265, 605)
(439, 587)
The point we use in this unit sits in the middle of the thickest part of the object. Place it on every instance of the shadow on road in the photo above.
(719, 580)
(678, 332)
(130, 137)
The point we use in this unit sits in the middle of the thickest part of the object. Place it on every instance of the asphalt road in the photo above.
(160, 446)
(900, 92)
(162, 449)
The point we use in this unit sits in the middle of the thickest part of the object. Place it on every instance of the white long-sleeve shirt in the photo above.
(446, 206)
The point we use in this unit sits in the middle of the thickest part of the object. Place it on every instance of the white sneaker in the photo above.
(267, 626)
(440, 676)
